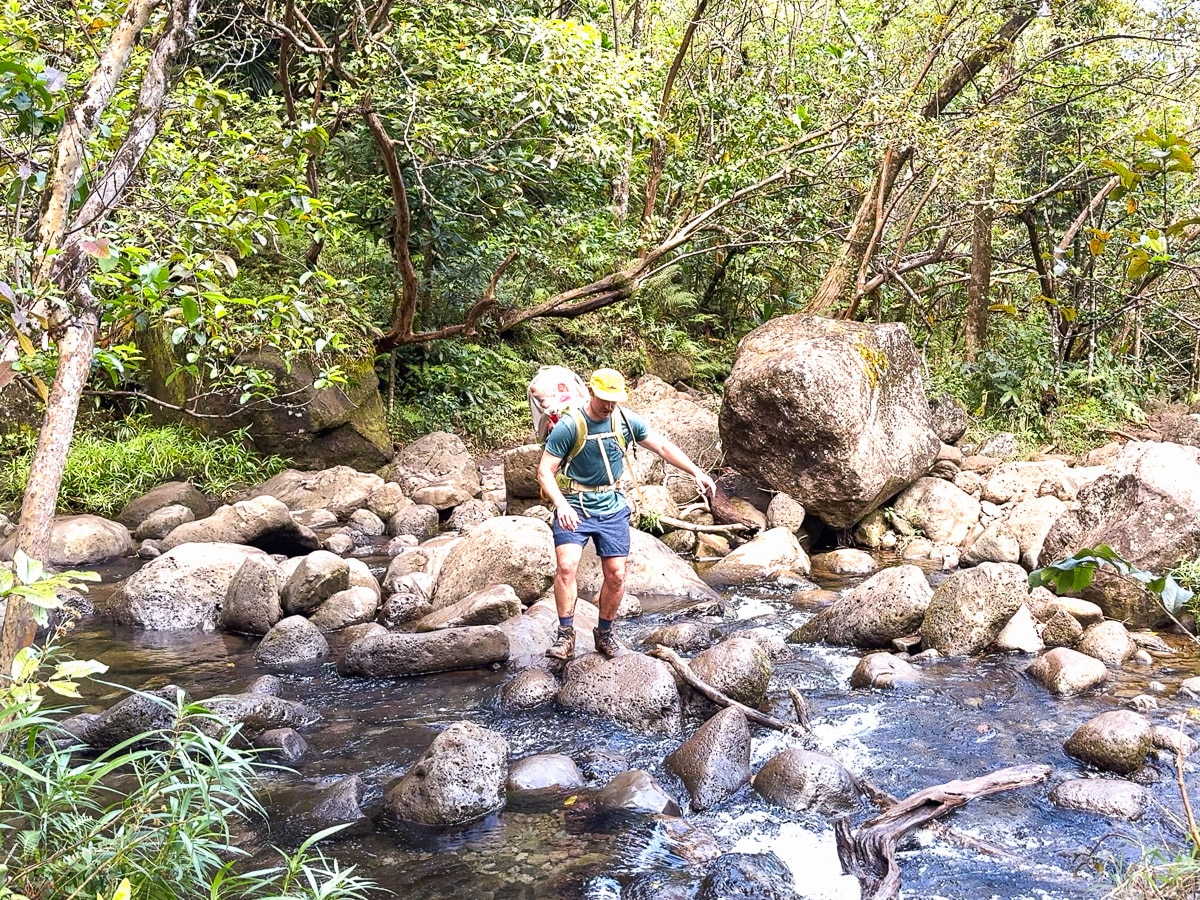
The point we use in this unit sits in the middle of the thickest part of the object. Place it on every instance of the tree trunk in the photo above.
(979, 285)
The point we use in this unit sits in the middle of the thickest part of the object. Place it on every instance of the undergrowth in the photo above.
(110, 465)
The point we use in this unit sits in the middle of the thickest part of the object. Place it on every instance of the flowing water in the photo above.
(968, 718)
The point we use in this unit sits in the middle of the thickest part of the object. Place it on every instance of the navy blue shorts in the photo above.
(611, 533)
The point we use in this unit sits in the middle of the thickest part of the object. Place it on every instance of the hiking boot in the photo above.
(564, 644)
(607, 643)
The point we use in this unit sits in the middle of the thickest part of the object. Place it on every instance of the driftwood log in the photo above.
(676, 662)
(870, 853)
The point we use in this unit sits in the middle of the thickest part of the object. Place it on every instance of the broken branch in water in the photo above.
(676, 662)
(684, 525)
(870, 853)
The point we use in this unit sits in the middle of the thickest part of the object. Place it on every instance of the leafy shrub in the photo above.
(108, 467)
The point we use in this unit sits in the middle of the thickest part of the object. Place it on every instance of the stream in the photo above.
(969, 717)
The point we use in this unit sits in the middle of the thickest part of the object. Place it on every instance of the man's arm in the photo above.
(670, 452)
(546, 470)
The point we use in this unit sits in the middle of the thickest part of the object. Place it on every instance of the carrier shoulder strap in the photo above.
(581, 433)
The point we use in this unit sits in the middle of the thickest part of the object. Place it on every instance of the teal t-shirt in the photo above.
(588, 465)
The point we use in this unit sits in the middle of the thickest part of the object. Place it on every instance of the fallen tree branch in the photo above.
(801, 709)
(683, 525)
(870, 853)
(673, 659)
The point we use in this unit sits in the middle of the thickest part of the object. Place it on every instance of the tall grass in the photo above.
(106, 468)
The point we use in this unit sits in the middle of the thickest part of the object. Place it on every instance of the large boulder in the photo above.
(251, 603)
(652, 568)
(969, 609)
(1030, 521)
(489, 606)
(458, 779)
(293, 641)
(715, 761)
(1115, 741)
(632, 689)
(1147, 509)
(513, 550)
(773, 553)
(262, 522)
(636, 791)
(341, 490)
(395, 654)
(689, 425)
(81, 541)
(316, 578)
(888, 605)
(761, 876)
(737, 667)
(832, 412)
(183, 588)
(437, 470)
(255, 713)
(171, 493)
(1112, 797)
(1066, 672)
(942, 512)
(799, 779)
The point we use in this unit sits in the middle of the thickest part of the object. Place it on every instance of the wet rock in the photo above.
(1082, 611)
(354, 606)
(387, 500)
(760, 876)
(1107, 641)
(255, 713)
(998, 543)
(470, 514)
(292, 641)
(785, 511)
(651, 568)
(1116, 799)
(883, 670)
(265, 684)
(762, 559)
(489, 606)
(531, 634)
(1116, 741)
(285, 744)
(942, 512)
(436, 469)
(769, 641)
(528, 689)
(636, 791)
(318, 577)
(135, 715)
(970, 608)
(632, 689)
(337, 804)
(81, 541)
(172, 493)
(1065, 672)
(513, 550)
(162, 522)
(1173, 740)
(1020, 634)
(458, 779)
(799, 779)
(845, 562)
(1061, 630)
(737, 667)
(366, 523)
(917, 548)
(251, 604)
(543, 772)
(262, 522)
(419, 520)
(714, 762)
(341, 489)
(410, 601)
(832, 413)
(183, 588)
(888, 605)
(395, 654)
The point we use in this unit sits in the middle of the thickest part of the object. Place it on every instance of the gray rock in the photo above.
(419, 520)
(251, 604)
(998, 543)
(1111, 797)
(387, 500)
(356, 605)
(183, 588)
(340, 489)
(652, 568)
(1065, 672)
(685, 637)
(714, 762)
(439, 461)
(292, 641)
(513, 550)
(1015, 481)
(761, 876)
(949, 418)
(172, 493)
(737, 667)
(1173, 740)
(764, 558)
(1108, 641)
(162, 522)
(338, 804)
(803, 779)
(632, 689)
(831, 412)
(488, 606)
(888, 605)
(943, 513)
(366, 523)
(137, 715)
(999, 446)
(1061, 630)
(458, 779)
(81, 541)
(846, 561)
(1020, 634)
(255, 714)
(528, 689)
(1031, 520)
(546, 771)
(883, 670)
(340, 543)
(318, 577)
(969, 609)
(1116, 741)
(636, 791)
(285, 744)
(395, 654)
(470, 514)
(409, 602)
(314, 518)
(785, 511)
(262, 522)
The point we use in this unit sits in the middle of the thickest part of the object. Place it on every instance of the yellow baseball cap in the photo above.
(608, 384)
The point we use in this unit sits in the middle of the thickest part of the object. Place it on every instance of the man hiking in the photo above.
(587, 503)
